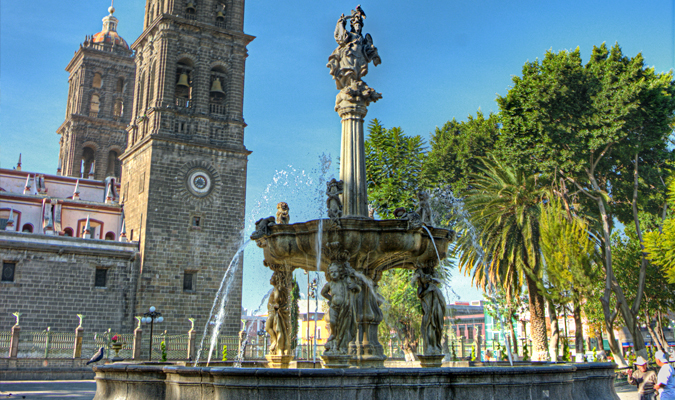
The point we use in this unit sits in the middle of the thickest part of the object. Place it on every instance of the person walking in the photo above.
(644, 379)
(665, 382)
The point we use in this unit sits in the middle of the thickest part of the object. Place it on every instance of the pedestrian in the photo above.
(665, 383)
(644, 379)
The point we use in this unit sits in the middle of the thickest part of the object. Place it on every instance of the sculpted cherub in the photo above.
(423, 208)
(283, 216)
(334, 189)
(340, 291)
(262, 227)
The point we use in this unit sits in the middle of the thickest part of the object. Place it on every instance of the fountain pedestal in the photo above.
(336, 361)
(277, 362)
(431, 361)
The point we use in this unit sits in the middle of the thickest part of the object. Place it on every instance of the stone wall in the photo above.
(54, 281)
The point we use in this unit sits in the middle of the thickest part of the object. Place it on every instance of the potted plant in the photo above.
(116, 346)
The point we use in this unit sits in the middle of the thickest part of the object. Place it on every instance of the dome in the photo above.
(110, 37)
(109, 33)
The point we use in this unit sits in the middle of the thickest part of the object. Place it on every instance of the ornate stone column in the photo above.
(352, 106)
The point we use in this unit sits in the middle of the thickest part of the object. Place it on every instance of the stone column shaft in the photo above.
(138, 334)
(191, 344)
(14, 342)
(353, 161)
(77, 348)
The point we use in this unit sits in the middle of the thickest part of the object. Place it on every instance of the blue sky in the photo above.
(440, 59)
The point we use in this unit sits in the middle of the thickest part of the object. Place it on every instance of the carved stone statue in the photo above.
(349, 61)
(340, 290)
(283, 216)
(414, 220)
(262, 227)
(433, 311)
(334, 189)
(423, 208)
(278, 312)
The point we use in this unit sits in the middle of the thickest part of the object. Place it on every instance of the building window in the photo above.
(110, 236)
(196, 222)
(68, 232)
(101, 277)
(97, 81)
(8, 271)
(141, 183)
(28, 228)
(188, 282)
(120, 85)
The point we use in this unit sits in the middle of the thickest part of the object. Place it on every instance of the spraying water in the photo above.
(222, 295)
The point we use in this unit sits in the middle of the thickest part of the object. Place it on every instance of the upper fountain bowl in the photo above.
(369, 245)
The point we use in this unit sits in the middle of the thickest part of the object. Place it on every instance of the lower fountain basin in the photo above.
(372, 245)
(160, 382)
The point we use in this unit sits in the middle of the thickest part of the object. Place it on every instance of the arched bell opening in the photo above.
(217, 95)
(184, 78)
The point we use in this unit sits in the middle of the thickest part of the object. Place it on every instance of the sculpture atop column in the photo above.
(349, 62)
(348, 65)
(283, 213)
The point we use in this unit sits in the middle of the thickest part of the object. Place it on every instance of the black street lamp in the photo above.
(150, 318)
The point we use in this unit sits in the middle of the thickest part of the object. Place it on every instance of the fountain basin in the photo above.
(372, 245)
(161, 382)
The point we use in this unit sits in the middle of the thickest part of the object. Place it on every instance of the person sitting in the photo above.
(644, 379)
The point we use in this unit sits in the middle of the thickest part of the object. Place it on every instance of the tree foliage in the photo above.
(393, 168)
(503, 204)
(660, 245)
(456, 150)
(594, 125)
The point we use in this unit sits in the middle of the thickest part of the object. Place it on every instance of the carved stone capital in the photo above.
(335, 252)
(353, 100)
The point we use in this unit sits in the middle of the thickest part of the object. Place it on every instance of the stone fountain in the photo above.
(354, 250)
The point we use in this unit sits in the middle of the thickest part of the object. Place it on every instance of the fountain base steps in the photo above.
(431, 360)
(160, 382)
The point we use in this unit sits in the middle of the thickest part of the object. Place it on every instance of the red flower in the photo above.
(115, 338)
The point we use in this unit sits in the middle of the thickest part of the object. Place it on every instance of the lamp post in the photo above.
(149, 318)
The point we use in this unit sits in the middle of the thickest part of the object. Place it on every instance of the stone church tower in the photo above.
(99, 105)
(184, 180)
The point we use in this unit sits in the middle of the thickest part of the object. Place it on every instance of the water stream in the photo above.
(221, 295)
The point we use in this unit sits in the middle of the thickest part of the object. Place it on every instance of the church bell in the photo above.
(190, 7)
(216, 87)
(183, 80)
(220, 16)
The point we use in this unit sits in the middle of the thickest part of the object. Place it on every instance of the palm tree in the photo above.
(503, 207)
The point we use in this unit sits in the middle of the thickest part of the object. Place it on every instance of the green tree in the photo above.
(584, 123)
(295, 312)
(571, 261)
(402, 310)
(456, 149)
(503, 205)
(660, 244)
(393, 168)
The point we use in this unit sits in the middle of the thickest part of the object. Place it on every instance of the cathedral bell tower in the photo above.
(101, 91)
(184, 180)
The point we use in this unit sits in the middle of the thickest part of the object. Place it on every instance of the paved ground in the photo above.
(34, 390)
(627, 392)
(85, 390)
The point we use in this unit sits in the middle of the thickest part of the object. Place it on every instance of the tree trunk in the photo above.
(537, 322)
(655, 338)
(611, 285)
(578, 329)
(554, 344)
(659, 330)
(514, 343)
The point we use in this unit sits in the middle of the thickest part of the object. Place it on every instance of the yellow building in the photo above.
(308, 327)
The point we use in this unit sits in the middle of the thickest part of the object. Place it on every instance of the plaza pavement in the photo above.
(85, 390)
